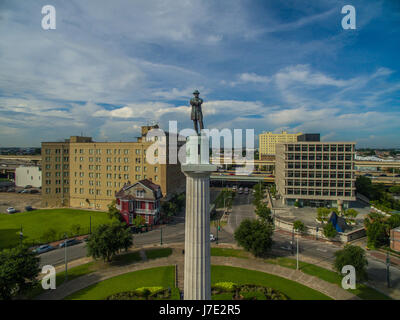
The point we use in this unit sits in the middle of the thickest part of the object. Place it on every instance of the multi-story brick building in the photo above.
(80, 172)
(316, 173)
(268, 140)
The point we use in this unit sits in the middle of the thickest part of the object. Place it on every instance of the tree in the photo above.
(329, 230)
(354, 256)
(254, 236)
(363, 185)
(76, 229)
(49, 235)
(394, 189)
(107, 240)
(113, 212)
(297, 204)
(138, 221)
(350, 214)
(264, 212)
(322, 214)
(19, 268)
(299, 226)
(377, 234)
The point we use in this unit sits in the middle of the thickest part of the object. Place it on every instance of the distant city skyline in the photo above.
(110, 67)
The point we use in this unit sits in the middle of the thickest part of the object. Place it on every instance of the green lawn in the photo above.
(158, 253)
(37, 222)
(362, 291)
(227, 252)
(292, 289)
(161, 276)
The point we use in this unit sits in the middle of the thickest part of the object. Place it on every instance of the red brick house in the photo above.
(395, 239)
(141, 198)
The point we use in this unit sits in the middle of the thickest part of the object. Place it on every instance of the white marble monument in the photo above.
(197, 168)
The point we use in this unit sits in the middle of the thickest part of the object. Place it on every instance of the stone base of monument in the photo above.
(197, 168)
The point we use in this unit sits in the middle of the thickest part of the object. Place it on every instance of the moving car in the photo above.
(28, 208)
(234, 188)
(70, 242)
(11, 210)
(43, 248)
(11, 190)
(246, 190)
(240, 190)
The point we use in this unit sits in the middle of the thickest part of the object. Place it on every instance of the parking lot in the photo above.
(19, 201)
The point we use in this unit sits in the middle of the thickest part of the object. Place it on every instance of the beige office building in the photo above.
(316, 173)
(82, 173)
(268, 140)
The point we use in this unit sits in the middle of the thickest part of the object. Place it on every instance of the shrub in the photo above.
(49, 235)
(329, 230)
(76, 229)
(299, 226)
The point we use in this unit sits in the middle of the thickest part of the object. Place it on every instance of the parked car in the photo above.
(33, 191)
(43, 248)
(367, 175)
(240, 190)
(28, 186)
(212, 238)
(24, 191)
(234, 188)
(11, 190)
(397, 175)
(246, 190)
(70, 242)
(383, 175)
(11, 210)
(28, 208)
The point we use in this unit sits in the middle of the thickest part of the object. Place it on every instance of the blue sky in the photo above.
(111, 66)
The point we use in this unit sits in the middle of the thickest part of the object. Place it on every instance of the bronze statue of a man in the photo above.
(197, 114)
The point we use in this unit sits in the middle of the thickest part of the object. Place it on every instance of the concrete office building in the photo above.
(82, 173)
(316, 173)
(28, 176)
(268, 140)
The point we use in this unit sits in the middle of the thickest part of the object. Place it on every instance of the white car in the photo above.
(212, 238)
(11, 210)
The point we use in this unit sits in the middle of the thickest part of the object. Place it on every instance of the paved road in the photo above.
(242, 209)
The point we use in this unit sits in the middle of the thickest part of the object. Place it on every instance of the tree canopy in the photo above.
(255, 236)
(19, 268)
(107, 240)
(354, 256)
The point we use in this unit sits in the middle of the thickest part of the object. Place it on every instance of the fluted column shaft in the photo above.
(197, 275)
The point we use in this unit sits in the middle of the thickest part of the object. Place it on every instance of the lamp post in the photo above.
(21, 236)
(161, 236)
(297, 256)
(65, 257)
(388, 269)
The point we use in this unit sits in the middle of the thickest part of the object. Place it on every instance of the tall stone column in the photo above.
(197, 273)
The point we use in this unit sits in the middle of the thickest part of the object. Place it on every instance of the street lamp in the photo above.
(65, 256)
(388, 268)
(161, 236)
(21, 236)
(297, 257)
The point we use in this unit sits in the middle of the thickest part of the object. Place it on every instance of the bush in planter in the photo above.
(350, 215)
(323, 213)
(299, 226)
(297, 204)
(329, 230)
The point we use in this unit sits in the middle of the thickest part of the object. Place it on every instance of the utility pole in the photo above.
(297, 258)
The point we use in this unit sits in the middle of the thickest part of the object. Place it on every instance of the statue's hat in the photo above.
(196, 92)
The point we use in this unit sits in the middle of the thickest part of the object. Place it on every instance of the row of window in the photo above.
(57, 174)
(56, 151)
(56, 190)
(317, 183)
(325, 148)
(57, 166)
(108, 151)
(319, 157)
(325, 175)
(317, 192)
(319, 166)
